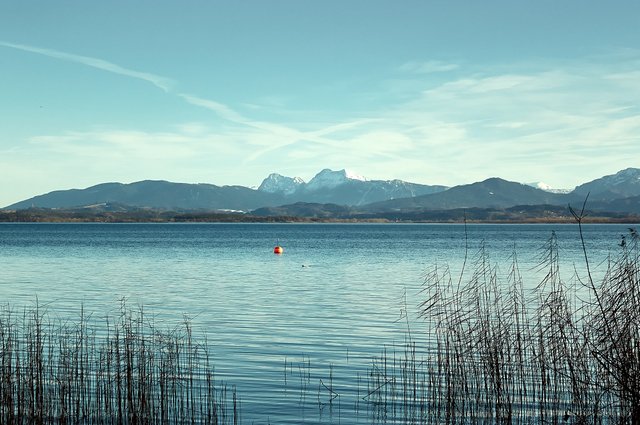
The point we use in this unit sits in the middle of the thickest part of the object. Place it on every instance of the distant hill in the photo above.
(623, 184)
(337, 187)
(515, 214)
(157, 194)
(306, 209)
(490, 193)
(624, 205)
(340, 194)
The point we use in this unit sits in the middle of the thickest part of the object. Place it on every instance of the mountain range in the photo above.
(343, 188)
(343, 193)
(328, 186)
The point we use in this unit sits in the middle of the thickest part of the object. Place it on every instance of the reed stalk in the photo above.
(125, 371)
(565, 353)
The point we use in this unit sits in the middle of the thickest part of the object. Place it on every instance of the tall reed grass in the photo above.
(126, 371)
(569, 354)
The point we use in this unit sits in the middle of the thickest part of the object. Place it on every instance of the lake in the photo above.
(281, 327)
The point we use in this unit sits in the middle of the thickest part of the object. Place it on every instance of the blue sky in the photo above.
(224, 92)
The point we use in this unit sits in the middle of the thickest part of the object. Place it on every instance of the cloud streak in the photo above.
(428, 67)
(283, 135)
(162, 83)
(564, 118)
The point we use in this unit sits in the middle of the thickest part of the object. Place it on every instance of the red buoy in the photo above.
(278, 250)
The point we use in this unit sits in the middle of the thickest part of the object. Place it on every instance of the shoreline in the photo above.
(118, 218)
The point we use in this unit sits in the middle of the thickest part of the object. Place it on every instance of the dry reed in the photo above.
(125, 372)
(569, 355)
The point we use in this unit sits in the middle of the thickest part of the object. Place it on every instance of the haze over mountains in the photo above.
(342, 193)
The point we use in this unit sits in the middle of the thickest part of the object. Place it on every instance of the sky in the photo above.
(227, 92)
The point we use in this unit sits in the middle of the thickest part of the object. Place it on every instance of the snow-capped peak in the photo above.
(547, 188)
(540, 185)
(628, 175)
(277, 183)
(329, 179)
(353, 176)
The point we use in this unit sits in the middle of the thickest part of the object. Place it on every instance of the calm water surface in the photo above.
(330, 303)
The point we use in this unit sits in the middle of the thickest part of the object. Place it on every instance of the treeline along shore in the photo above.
(521, 214)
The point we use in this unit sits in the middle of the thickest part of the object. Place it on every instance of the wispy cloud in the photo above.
(561, 121)
(222, 110)
(285, 135)
(546, 122)
(483, 85)
(162, 83)
(263, 137)
(427, 67)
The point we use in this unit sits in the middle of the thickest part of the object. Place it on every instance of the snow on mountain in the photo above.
(342, 187)
(353, 176)
(628, 176)
(540, 185)
(277, 183)
(547, 188)
(327, 179)
(623, 184)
